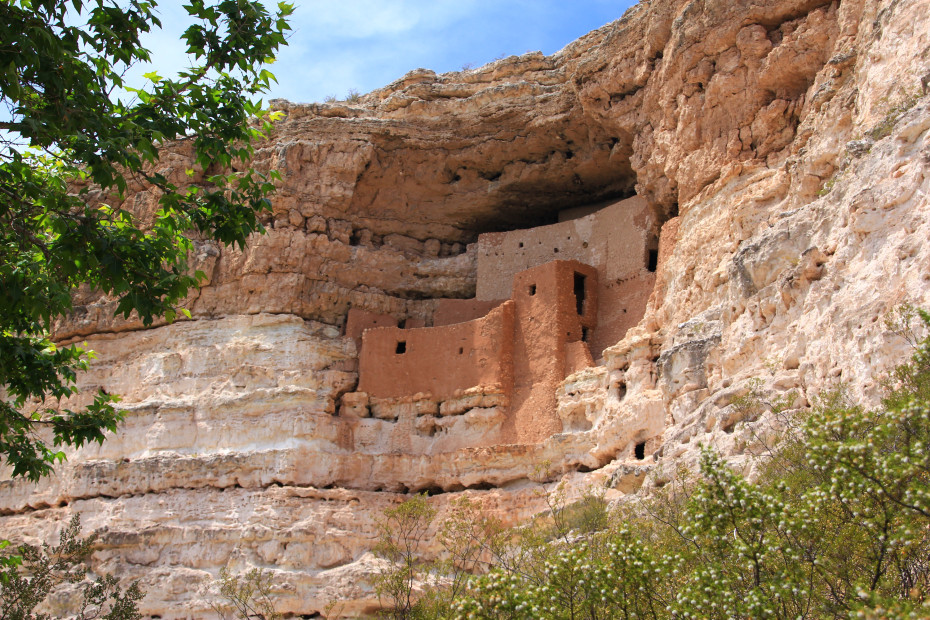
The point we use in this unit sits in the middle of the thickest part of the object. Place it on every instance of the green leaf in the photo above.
(90, 151)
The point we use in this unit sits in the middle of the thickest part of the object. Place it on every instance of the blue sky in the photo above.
(338, 45)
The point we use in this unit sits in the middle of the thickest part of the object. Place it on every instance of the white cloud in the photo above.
(337, 45)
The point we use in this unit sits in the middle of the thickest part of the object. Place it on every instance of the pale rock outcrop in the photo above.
(784, 146)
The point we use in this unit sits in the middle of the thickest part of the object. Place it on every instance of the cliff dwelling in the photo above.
(548, 301)
(433, 309)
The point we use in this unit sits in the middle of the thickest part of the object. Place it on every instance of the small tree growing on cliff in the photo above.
(401, 535)
(69, 153)
(27, 579)
(247, 595)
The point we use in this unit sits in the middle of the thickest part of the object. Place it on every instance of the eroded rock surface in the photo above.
(781, 145)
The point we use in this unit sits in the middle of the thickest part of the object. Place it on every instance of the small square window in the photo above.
(401, 347)
(532, 289)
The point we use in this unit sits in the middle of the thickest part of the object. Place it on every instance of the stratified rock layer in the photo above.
(782, 144)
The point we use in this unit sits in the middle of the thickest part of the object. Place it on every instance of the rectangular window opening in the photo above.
(532, 289)
(401, 347)
(653, 261)
(579, 292)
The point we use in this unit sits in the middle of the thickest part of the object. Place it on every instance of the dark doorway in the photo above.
(653, 261)
(579, 292)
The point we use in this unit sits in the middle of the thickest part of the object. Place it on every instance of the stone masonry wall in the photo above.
(616, 240)
(439, 361)
(547, 320)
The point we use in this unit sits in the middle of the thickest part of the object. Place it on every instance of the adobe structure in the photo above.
(548, 301)
(619, 240)
(784, 152)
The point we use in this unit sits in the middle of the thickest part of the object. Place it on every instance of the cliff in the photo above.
(781, 150)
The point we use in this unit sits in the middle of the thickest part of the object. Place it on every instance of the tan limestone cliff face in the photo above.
(787, 234)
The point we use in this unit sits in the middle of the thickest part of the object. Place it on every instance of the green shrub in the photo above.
(245, 596)
(28, 578)
(836, 525)
(401, 536)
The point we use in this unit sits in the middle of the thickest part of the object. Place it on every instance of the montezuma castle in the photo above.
(549, 300)
(550, 269)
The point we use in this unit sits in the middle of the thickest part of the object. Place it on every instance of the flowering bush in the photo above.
(837, 525)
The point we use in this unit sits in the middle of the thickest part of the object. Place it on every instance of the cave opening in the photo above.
(485, 184)
(530, 210)
(620, 390)
(576, 182)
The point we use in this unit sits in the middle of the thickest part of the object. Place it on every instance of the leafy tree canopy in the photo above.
(76, 139)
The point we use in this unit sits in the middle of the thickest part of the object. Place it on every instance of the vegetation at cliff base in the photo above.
(27, 580)
(244, 596)
(73, 149)
(836, 526)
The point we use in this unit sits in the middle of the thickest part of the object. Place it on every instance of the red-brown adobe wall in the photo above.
(359, 320)
(524, 347)
(439, 360)
(613, 239)
(616, 240)
(622, 305)
(451, 311)
(546, 321)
